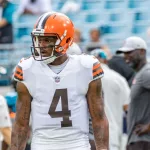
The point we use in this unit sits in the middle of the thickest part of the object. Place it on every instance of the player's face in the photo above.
(47, 45)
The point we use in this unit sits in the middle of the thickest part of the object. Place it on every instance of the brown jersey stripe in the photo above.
(97, 73)
(96, 66)
(18, 77)
(97, 69)
(18, 70)
(18, 73)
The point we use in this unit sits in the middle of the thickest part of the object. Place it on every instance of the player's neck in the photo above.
(59, 60)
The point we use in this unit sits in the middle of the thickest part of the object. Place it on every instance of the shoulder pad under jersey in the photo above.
(88, 60)
(24, 64)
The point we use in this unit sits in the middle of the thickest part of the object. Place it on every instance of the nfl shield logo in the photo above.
(57, 79)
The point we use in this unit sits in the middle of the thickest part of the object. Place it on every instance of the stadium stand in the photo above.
(99, 13)
(117, 20)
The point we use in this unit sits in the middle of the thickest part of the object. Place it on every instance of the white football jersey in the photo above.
(59, 107)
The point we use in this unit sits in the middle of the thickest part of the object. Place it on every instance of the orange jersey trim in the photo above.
(100, 71)
(18, 73)
(18, 76)
(18, 70)
(96, 66)
(97, 70)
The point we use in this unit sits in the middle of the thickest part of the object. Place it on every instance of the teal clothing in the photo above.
(8, 12)
(139, 108)
(11, 99)
(6, 32)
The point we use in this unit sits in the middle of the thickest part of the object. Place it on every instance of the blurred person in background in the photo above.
(134, 50)
(5, 123)
(7, 10)
(96, 42)
(118, 64)
(116, 99)
(27, 13)
(34, 7)
(70, 6)
(78, 38)
(11, 98)
(56, 101)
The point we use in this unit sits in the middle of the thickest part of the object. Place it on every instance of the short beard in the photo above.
(134, 64)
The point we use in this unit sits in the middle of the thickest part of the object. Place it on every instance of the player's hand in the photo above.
(142, 129)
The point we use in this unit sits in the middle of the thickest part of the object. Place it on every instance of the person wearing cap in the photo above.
(96, 41)
(118, 64)
(134, 50)
(116, 97)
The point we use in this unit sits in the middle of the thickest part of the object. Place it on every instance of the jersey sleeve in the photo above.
(18, 74)
(20, 69)
(97, 70)
(93, 66)
(23, 73)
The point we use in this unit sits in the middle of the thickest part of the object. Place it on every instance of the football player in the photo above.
(59, 91)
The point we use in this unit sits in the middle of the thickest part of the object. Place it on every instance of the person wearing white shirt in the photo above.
(34, 7)
(70, 6)
(116, 99)
(5, 122)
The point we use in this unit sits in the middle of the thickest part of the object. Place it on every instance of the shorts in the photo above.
(58, 147)
(49, 148)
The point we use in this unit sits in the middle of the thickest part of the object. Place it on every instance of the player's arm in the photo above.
(99, 119)
(21, 124)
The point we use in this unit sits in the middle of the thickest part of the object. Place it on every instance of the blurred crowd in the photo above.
(126, 83)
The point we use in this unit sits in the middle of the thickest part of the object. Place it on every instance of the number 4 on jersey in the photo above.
(65, 113)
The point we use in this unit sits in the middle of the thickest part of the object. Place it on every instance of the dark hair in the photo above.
(32, 1)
